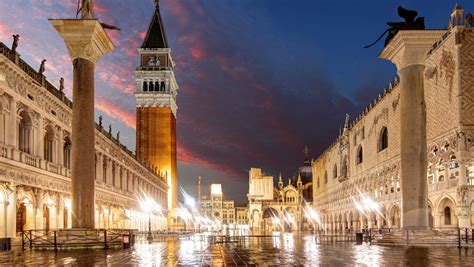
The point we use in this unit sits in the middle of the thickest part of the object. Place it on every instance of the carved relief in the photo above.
(447, 68)
(395, 102)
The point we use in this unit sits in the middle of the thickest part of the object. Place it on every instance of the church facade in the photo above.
(282, 207)
(362, 166)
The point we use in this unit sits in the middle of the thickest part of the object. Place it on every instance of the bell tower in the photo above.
(156, 105)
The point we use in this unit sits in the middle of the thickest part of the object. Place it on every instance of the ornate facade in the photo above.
(35, 154)
(364, 161)
(216, 208)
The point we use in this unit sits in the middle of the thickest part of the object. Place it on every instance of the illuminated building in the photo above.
(216, 208)
(365, 160)
(156, 105)
(279, 208)
(35, 160)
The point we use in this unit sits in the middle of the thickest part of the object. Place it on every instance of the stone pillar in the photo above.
(11, 134)
(100, 168)
(11, 213)
(86, 41)
(38, 209)
(407, 50)
(60, 148)
(37, 138)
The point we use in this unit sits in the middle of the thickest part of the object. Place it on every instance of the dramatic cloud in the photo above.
(258, 80)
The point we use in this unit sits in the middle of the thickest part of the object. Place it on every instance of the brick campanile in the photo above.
(156, 105)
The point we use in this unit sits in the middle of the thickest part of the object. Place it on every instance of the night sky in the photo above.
(259, 79)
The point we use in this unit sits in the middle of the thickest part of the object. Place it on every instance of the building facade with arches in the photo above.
(362, 166)
(281, 207)
(35, 161)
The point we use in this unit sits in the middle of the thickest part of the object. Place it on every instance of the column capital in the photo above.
(84, 38)
(409, 47)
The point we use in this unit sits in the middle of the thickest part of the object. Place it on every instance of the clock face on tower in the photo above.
(153, 60)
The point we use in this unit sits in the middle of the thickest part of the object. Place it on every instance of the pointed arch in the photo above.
(383, 139)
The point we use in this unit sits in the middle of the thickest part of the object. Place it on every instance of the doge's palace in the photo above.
(357, 178)
(35, 160)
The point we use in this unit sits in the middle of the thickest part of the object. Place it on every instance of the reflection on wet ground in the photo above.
(286, 249)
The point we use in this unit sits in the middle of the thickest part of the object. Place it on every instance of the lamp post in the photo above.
(148, 205)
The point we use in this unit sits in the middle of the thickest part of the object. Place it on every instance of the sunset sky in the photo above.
(259, 79)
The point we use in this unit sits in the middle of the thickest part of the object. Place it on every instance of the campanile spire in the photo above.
(156, 104)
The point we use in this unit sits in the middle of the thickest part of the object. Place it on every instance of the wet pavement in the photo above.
(286, 249)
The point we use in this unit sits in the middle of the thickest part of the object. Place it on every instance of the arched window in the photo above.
(145, 86)
(104, 170)
(163, 87)
(441, 178)
(383, 139)
(325, 177)
(157, 86)
(359, 156)
(150, 86)
(447, 216)
(67, 152)
(24, 132)
(334, 172)
(344, 168)
(48, 144)
(317, 181)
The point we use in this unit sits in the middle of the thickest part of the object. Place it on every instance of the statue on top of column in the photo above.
(86, 9)
(411, 23)
(87, 12)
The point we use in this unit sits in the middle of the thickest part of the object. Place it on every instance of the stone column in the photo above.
(37, 138)
(60, 148)
(38, 209)
(407, 50)
(86, 41)
(11, 135)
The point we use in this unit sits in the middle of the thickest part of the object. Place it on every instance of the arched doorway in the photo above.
(289, 220)
(446, 209)
(271, 220)
(395, 217)
(20, 218)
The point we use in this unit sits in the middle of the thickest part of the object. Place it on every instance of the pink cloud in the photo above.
(197, 53)
(113, 111)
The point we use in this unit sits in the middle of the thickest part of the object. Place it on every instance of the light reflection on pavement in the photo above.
(284, 249)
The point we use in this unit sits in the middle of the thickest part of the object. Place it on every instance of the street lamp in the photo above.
(148, 205)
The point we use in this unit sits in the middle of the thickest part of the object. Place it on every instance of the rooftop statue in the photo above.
(16, 37)
(411, 23)
(42, 67)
